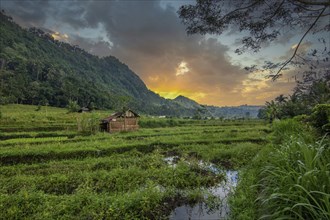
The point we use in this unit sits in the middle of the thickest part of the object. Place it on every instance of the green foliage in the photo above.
(308, 93)
(291, 127)
(242, 203)
(73, 106)
(288, 179)
(88, 123)
(320, 118)
(296, 181)
(301, 118)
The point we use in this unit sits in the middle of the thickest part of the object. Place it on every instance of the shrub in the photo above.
(301, 118)
(73, 106)
(284, 129)
(320, 118)
(88, 123)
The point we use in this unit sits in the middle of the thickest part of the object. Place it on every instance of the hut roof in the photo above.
(120, 115)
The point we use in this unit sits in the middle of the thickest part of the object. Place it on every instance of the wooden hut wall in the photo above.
(131, 124)
(122, 124)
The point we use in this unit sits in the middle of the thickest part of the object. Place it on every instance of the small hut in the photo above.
(120, 121)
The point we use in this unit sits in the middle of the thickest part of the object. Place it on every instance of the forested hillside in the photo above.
(37, 69)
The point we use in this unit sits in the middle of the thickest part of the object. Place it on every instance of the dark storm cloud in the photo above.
(72, 12)
(27, 13)
(94, 46)
(138, 25)
(151, 39)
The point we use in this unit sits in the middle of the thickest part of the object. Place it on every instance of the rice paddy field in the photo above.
(52, 169)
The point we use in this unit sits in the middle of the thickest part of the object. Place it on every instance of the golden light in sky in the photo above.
(182, 69)
(61, 37)
(173, 94)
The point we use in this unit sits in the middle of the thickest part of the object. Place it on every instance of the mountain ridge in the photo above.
(37, 69)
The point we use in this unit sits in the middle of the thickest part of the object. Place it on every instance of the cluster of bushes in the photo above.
(308, 93)
(320, 118)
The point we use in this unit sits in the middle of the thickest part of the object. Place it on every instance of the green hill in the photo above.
(37, 69)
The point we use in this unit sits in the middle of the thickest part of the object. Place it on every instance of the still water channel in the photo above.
(200, 210)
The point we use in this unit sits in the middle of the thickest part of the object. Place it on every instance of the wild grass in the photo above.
(288, 179)
(297, 181)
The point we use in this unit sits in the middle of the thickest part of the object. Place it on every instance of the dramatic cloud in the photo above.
(27, 13)
(149, 37)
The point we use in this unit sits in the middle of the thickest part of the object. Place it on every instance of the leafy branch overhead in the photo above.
(261, 21)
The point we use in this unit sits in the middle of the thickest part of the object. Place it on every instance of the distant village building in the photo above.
(120, 121)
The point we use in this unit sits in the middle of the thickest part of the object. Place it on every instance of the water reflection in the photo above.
(201, 210)
(172, 161)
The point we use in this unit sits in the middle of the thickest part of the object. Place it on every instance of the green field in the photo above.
(50, 170)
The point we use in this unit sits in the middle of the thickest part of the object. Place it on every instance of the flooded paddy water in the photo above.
(205, 210)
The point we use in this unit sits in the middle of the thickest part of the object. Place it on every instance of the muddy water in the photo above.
(201, 210)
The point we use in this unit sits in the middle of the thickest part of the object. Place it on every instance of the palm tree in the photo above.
(272, 110)
(281, 99)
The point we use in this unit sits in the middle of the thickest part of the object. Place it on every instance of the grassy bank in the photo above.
(289, 179)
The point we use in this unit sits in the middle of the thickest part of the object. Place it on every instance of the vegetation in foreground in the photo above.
(51, 170)
(289, 179)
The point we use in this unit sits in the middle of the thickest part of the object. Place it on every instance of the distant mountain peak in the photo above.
(186, 102)
(181, 97)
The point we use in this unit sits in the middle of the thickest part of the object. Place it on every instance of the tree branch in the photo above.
(243, 8)
(314, 16)
(276, 11)
(301, 6)
(298, 45)
(239, 9)
(325, 3)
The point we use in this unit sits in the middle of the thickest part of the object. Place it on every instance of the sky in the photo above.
(149, 37)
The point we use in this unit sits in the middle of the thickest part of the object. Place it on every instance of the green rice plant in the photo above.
(33, 134)
(296, 181)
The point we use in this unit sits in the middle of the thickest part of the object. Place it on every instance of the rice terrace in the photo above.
(165, 109)
(50, 170)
